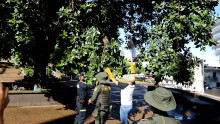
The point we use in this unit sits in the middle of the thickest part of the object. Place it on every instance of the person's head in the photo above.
(81, 77)
(102, 77)
(131, 79)
(161, 99)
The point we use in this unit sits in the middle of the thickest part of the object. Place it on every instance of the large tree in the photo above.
(70, 33)
(6, 33)
(35, 32)
(89, 38)
(162, 29)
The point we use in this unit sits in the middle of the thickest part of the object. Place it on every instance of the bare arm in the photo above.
(115, 81)
(133, 76)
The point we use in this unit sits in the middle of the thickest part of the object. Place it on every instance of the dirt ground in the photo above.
(35, 115)
(53, 115)
(49, 115)
(42, 115)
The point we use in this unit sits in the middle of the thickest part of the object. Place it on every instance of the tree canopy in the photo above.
(79, 35)
(161, 29)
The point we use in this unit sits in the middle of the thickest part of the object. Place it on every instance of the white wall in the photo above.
(212, 63)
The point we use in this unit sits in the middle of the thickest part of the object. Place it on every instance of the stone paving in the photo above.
(10, 74)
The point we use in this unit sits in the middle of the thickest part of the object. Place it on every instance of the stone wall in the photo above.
(39, 99)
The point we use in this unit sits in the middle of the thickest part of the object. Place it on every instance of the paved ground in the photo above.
(213, 93)
(62, 115)
(36, 115)
(43, 115)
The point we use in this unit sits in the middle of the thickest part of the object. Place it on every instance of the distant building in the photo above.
(212, 72)
(216, 36)
(212, 67)
(131, 46)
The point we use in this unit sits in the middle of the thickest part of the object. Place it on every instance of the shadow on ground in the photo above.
(64, 120)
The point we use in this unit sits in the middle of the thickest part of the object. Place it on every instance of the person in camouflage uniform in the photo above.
(101, 98)
(161, 101)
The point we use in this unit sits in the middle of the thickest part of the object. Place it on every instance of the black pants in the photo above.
(81, 114)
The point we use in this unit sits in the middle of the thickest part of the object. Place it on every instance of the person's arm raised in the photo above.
(111, 76)
(133, 70)
(115, 81)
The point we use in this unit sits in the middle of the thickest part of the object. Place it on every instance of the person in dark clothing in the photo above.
(81, 99)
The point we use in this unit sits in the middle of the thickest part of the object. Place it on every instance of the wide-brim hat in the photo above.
(161, 99)
(102, 77)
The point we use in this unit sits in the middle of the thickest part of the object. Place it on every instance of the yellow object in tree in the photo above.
(132, 68)
(109, 73)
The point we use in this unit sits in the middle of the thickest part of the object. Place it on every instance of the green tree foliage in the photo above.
(83, 45)
(6, 33)
(36, 30)
(69, 33)
(66, 33)
(163, 30)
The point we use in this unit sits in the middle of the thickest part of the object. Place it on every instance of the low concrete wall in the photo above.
(19, 100)
(64, 96)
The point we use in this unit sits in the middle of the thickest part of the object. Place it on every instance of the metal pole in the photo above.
(203, 72)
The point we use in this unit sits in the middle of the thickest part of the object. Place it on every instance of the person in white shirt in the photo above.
(127, 90)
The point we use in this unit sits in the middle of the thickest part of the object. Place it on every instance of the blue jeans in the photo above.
(124, 110)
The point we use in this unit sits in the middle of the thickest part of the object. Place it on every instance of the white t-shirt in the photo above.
(126, 93)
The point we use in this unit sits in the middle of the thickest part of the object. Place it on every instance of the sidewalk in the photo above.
(213, 93)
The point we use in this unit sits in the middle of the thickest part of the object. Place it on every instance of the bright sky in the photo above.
(208, 54)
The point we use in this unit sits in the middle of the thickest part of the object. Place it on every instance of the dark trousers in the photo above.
(81, 114)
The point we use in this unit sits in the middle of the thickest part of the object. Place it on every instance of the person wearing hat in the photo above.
(101, 98)
(161, 100)
(82, 89)
(127, 90)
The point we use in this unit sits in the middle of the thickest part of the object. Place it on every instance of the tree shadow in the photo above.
(62, 93)
(64, 120)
